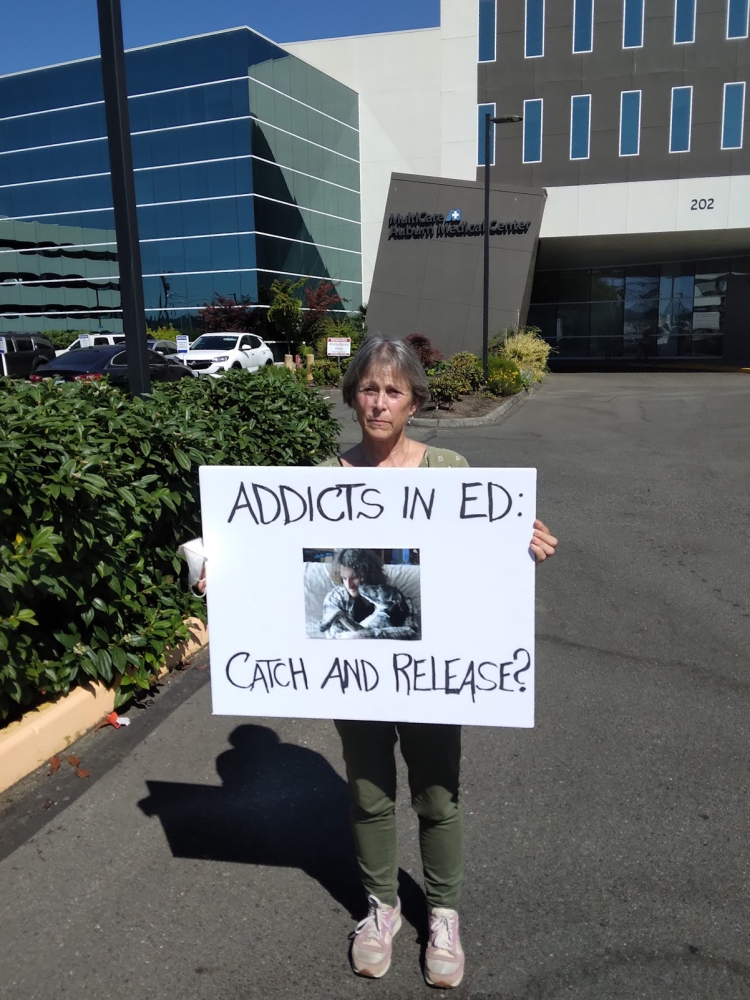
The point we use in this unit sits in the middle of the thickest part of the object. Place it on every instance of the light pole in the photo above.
(123, 194)
(488, 122)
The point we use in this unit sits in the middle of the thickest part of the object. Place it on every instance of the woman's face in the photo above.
(383, 403)
(350, 580)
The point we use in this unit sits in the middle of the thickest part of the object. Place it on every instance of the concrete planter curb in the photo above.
(44, 731)
(493, 417)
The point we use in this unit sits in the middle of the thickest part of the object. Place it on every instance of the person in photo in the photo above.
(363, 605)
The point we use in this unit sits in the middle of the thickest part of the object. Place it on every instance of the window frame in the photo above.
(540, 102)
(625, 4)
(494, 32)
(576, 51)
(480, 133)
(690, 120)
(733, 83)
(536, 55)
(640, 110)
(732, 38)
(684, 41)
(573, 99)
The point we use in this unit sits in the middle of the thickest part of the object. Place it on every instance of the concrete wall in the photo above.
(433, 285)
(418, 95)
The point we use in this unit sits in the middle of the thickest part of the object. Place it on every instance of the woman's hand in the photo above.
(543, 544)
(200, 585)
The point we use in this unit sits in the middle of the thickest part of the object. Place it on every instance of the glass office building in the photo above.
(246, 167)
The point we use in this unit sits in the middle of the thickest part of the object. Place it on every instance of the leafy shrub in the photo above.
(426, 351)
(527, 349)
(504, 377)
(446, 387)
(467, 367)
(164, 333)
(335, 327)
(96, 492)
(60, 339)
(327, 372)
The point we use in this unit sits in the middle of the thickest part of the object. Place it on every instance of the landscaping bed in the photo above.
(474, 405)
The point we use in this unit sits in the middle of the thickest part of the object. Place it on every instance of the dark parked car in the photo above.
(91, 363)
(165, 347)
(24, 353)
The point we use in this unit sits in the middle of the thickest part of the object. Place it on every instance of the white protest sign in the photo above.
(183, 343)
(437, 588)
(339, 347)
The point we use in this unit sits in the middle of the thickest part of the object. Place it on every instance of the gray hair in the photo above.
(378, 350)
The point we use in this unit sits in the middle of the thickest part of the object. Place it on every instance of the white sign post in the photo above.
(340, 347)
(445, 635)
(183, 343)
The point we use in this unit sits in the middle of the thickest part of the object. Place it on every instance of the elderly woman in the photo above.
(364, 605)
(385, 385)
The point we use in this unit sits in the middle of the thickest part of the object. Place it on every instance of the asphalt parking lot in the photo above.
(606, 850)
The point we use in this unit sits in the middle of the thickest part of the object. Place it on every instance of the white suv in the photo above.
(217, 352)
(95, 340)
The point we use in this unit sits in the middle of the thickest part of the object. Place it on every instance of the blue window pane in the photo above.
(583, 26)
(532, 131)
(632, 27)
(679, 126)
(630, 123)
(684, 21)
(580, 127)
(534, 28)
(487, 30)
(484, 110)
(734, 113)
(737, 19)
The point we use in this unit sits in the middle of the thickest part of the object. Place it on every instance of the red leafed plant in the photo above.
(426, 351)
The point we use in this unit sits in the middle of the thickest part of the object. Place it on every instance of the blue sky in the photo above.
(41, 32)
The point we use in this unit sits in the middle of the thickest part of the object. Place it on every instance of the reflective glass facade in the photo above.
(670, 310)
(246, 168)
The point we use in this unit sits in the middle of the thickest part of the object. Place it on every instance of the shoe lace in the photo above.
(442, 932)
(372, 922)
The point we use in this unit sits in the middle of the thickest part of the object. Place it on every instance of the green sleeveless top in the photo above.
(434, 458)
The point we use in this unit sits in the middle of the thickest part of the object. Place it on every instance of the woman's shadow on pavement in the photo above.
(279, 804)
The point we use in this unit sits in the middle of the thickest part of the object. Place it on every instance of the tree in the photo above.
(319, 301)
(285, 311)
(225, 312)
(426, 351)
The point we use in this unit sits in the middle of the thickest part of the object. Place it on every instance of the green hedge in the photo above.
(97, 490)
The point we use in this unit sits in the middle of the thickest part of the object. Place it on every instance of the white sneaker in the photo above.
(372, 939)
(444, 957)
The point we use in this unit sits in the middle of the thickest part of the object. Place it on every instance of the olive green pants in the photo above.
(432, 754)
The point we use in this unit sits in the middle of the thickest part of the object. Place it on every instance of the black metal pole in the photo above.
(123, 194)
(486, 285)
